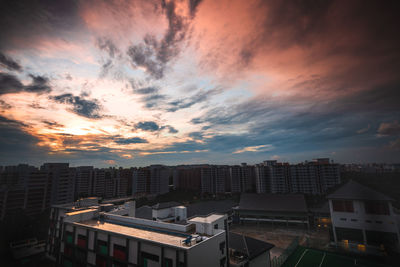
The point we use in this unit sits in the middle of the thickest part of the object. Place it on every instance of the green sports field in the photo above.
(305, 257)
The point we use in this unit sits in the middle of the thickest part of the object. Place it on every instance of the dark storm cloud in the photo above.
(30, 20)
(153, 55)
(152, 126)
(147, 126)
(39, 84)
(132, 140)
(80, 106)
(193, 4)
(9, 63)
(11, 84)
(16, 144)
(318, 126)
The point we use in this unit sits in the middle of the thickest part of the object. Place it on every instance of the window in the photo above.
(215, 226)
(168, 262)
(343, 219)
(67, 263)
(118, 264)
(102, 247)
(354, 235)
(82, 241)
(149, 256)
(69, 237)
(80, 255)
(354, 220)
(376, 207)
(101, 261)
(119, 252)
(368, 221)
(68, 251)
(222, 247)
(342, 205)
(380, 222)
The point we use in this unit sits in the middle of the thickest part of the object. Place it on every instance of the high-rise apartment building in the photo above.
(159, 179)
(63, 182)
(24, 188)
(83, 181)
(314, 177)
(141, 181)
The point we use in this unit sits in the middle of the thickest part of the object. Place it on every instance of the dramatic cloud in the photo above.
(186, 81)
(133, 140)
(153, 55)
(9, 63)
(82, 107)
(11, 84)
(147, 126)
(152, 126)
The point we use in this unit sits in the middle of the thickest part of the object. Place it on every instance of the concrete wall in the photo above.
(131, 220)
(361, 220)
(262, 260)
(207, 253)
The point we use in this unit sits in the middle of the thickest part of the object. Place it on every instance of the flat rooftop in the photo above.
(80, 211)
(152, 235)
(206, 219)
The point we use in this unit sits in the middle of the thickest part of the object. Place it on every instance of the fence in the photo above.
(278, 261)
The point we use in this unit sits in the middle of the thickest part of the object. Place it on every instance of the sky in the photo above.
(134, 83)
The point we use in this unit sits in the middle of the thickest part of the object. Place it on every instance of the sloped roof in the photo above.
(249, 246)
(273, 202)
(166, 205)
(354, 190)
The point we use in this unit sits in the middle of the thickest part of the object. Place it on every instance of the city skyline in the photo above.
(136, 83)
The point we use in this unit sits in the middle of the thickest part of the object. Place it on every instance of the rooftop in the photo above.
(166, 205)
(273, 202)
(207, 219)
(354, 190)
(80, 211)
(250, 247)
(172, 239)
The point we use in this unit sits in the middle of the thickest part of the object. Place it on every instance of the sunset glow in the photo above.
(190, 81)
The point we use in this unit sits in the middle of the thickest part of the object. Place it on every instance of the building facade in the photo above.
(363, 219)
